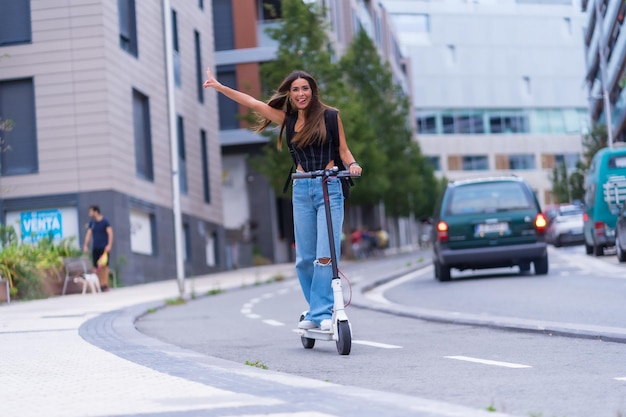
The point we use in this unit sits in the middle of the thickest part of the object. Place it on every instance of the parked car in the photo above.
(566, 226)
(605, 185)
(488, 223)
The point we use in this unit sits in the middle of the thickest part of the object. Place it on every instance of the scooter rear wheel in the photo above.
(344, 338)
(307, 342)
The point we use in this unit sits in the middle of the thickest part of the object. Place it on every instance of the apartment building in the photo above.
(257, 221)
(86, 84)
(606, 69)
(498, 85)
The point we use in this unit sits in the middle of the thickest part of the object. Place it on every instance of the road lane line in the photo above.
(273, 322)
(376, 344)
(378, 294)
(621, 378)
(253, 316)
(488, 362)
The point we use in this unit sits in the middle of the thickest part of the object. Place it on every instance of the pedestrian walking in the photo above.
(308, 125)
(100, 233)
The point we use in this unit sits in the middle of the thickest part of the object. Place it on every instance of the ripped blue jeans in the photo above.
(312, 244)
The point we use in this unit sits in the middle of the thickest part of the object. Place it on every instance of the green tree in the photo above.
(570, 186)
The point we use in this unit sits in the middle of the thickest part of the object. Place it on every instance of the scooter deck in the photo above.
(316, 334)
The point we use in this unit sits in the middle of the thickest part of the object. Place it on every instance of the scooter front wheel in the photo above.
(344, 338)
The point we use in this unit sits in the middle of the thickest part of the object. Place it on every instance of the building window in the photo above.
(270, 9)
(128, 26)
(228, 109)
(182, 159)
(569, 159)
(411, 22)
(176, 50)
(18, 146)
(142, 232)
(522, 161)
(186, 242)
(206, 183)
(427, 124)
(434, 162)
(508, 123)
(143, 136)
(466, 123)
(223, 31)
(199, 77)
(475, 163)
(201, 4)
(15, 26)
(210, 249)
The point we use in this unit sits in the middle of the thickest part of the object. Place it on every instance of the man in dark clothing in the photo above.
(102, 232)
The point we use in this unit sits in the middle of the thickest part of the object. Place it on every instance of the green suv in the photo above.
(488, 223)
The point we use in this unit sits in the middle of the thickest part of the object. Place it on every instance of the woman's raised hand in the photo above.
(210, 80)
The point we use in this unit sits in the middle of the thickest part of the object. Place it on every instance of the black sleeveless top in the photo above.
(317, 155)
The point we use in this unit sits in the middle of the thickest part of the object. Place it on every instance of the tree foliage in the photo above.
(569, 186)
(374, 111)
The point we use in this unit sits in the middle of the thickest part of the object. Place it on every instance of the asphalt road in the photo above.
(521, 373)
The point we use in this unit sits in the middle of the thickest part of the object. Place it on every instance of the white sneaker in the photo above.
(326, 324)
(307, 324)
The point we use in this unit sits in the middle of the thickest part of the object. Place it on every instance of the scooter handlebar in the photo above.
(333, 172)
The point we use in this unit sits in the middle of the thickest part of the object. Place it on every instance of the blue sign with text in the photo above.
(38, 224)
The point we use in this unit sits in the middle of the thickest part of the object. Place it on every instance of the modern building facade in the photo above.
(257, 221)
(86, 84)
(611, 80)
(498, 85)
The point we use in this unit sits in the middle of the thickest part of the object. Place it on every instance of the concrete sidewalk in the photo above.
(82, 356)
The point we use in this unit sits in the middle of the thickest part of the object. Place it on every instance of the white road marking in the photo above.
(273, 322)
(255, 300)
(378, 294)
(267, 295)
(376, 344)
(246, 311)
(253, 316)
(283, 291)
(488, 362)
(621, 378)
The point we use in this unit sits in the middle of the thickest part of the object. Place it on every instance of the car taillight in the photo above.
(442, 231)
(540, 223)
(585, 217)
(599, 228)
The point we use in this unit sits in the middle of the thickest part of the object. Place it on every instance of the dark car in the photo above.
(488, 223)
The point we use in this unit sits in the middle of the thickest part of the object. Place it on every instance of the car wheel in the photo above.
(621, 255)
(557, 242)
(541, 265)
(442, 272)
(524, 267)
(588, 249)
(598, 250)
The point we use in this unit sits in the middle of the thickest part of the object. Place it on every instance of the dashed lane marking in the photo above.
(376, 344)
(273, 322)
(488, 362)
(621, 378)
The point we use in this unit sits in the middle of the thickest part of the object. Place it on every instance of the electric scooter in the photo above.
(341, 330)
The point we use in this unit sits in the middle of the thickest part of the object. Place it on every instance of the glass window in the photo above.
(270, 9)
(128, 26)
(206, 183)
(488, 198)
(427, 124)
(411, 22)
(223, 31)
(182, 158)
(569, 159)
(142, 136)
(176, 52)
(15, 26)
(475, 163)
(199, 72)
(522, 161)
(448, 124)
(228, 109)
(18, 146)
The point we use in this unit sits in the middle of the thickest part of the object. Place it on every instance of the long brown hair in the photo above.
(314, 129)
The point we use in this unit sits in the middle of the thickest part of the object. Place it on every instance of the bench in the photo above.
(75, 267)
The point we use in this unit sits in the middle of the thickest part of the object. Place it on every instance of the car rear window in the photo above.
(488, 198)
(570, 211)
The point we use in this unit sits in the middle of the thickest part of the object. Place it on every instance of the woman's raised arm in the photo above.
(275, 115)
